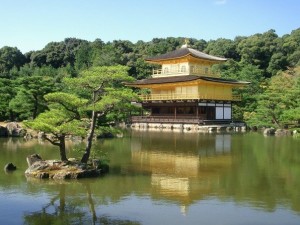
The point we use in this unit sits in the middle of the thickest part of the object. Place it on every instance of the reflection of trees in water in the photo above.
(62, 211)
(56, 211)
(265, 174)
(109, 221)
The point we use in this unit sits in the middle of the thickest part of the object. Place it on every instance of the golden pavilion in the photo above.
(186, 92)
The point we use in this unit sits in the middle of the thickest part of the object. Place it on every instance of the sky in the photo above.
(31, 24)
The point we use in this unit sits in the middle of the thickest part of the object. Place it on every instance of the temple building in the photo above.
(186, 92)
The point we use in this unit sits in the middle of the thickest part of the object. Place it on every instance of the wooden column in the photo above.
(231, 111)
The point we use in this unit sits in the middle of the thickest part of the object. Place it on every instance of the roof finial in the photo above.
(186, 42)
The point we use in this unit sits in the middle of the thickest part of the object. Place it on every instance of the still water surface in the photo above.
(162, 178)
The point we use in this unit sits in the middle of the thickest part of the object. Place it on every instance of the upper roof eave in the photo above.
(182, 53)
(187, 78)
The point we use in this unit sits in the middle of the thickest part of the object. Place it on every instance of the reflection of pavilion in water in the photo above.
(183, 168)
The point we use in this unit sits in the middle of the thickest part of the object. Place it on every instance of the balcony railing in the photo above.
(178, 72)
(165, 119)
(166, 97)
(182, 120)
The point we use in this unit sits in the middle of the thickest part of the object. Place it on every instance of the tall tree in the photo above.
(29, 101)
(258, 49)
(10, 57)
(95, 93)
(83, 57)
(223, 47)
(277, 62)
(277, 102)
(6, 94)
(107, 56)
(103, 88)
(61, 120)
(291, 47)
(247, 72)
(57, 54)
(291, 114)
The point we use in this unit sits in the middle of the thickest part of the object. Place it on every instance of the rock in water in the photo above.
(33, 158)
(3, 132)
(10, 167)
(269, 131)
(15, 130)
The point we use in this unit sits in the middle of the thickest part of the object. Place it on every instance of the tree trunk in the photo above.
(62, 200)
(91, 202)
(62, 148)
(275, 120)
(90, 136)
(11, 115)
(35, 108)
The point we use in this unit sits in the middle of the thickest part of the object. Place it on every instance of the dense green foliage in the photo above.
(259, 58)
(279, 104)
(88, 97)
(104, 93)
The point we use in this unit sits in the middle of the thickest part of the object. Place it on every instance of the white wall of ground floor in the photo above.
(173, 127)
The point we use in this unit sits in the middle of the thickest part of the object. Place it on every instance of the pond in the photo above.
(161, 178)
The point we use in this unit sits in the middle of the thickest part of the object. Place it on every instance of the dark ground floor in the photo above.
(194, 112)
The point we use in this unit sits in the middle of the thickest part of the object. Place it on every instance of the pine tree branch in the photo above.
(51, 141)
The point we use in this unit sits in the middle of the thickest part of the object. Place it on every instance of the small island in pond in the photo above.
(55, 169)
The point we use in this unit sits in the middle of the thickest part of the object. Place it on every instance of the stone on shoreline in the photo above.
(3, 131)
(12, 129)
(15, 130)
(282, 132)
(269, 131)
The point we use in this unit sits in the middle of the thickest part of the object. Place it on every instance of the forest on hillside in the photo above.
(271, 63)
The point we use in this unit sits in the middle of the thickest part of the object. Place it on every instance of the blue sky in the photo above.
(31, 24)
